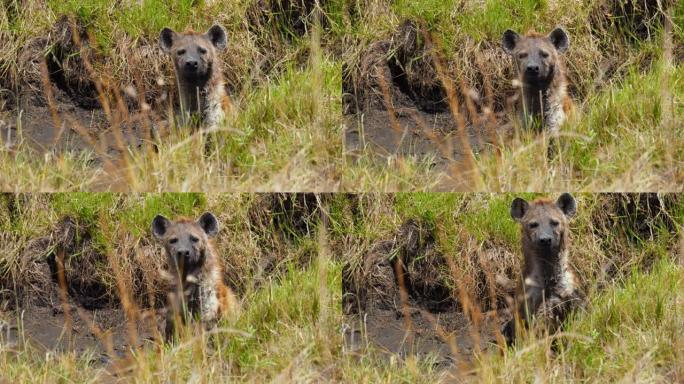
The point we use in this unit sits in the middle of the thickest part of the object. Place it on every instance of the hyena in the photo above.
(198, 72)
(541, 73)
(548, 290)
(195, 274)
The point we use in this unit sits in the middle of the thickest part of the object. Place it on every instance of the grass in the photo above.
(286, 130)
(625, 134)
(625, 335)
(283, 134)
(288, 281)
(288, 326)
(628, 331)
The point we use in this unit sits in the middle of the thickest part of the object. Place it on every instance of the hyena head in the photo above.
(193, 53)
(536, 56)
(186, 241)
(544, 222)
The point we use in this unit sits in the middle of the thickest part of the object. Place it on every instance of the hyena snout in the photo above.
(547, 239)
(191, 62)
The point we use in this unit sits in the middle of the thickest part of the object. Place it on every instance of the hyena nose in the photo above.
(545, 241)
(191, 64)
(183, 254)
(532, 69)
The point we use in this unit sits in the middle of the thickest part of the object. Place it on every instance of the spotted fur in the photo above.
(548, 289)
(195, 276)
(198, 71)
(541, 73)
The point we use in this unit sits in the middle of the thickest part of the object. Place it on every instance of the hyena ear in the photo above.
(166, 38)
(209, 224)
(560, 39)
(509, 41)
(217, 35)
(159, 226)
(518, 208)
(567, 204)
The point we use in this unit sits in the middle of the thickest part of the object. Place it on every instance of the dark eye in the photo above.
(173, 240)
(522, 55)
(544, 54)
(533, 224)
(180, 52)
(554, 223)
(201, 50)
(194, 239)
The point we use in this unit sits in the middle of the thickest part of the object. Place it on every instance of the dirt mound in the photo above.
(289, 17)
(66, 52)
(634, 20)
(626, 220)
(36, 281)
(434, 322)
(395, 101)
(404, 66)
(285, 216)
(434, 281)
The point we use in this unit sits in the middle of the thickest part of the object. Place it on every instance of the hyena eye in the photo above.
(202, 51)
(180, 52)
(544, 54)
(194, 239)
(173, 240)
(522, 55)
(554, 223)
(534, 224)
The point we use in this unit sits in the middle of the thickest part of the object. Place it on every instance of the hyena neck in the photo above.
(196, 93)
(548, 265)
(545, 97)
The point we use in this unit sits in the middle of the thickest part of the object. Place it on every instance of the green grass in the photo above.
(282, 131)
(289, 325)
(626, 133)
(631, 332)
(630, 329)
(283, 323)
(288, 314)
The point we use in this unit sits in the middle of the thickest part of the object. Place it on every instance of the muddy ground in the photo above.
(61, 102)
(50, 329)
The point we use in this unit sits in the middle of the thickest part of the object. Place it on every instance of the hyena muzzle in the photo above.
(548, 289)
(195, 274)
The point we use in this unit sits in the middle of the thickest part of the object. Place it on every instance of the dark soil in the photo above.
(46, 328)
(386, 331)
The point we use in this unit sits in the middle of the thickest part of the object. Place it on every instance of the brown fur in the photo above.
(196, 281)
(543, 96)
(203, 94)
(548, 288)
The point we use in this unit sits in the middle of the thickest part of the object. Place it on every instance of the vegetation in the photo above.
(626, 249)
(114, 87)
(287, 271)
(624, 67)
(288, 327)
